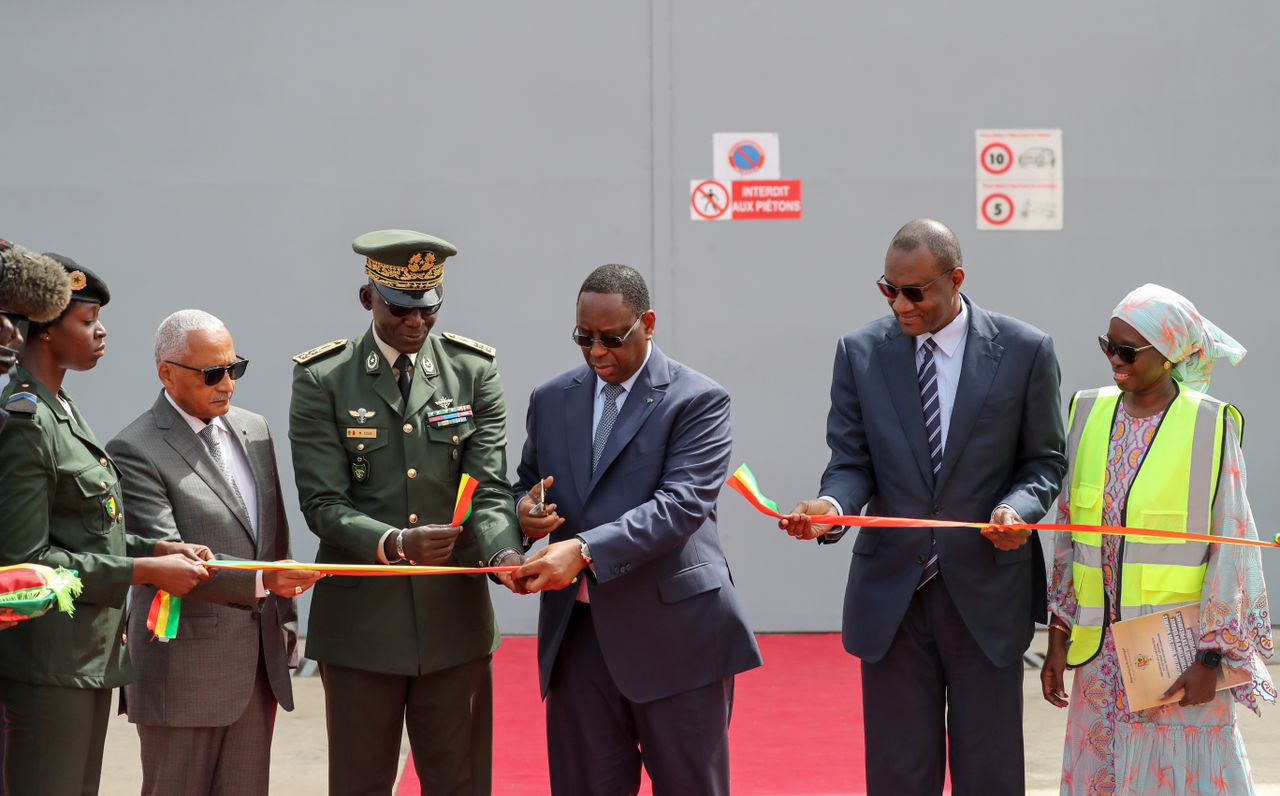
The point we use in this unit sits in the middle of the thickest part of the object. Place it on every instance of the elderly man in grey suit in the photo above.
(941, 410)
(198, 470)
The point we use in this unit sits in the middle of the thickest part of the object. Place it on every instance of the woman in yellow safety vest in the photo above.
(1156, 452)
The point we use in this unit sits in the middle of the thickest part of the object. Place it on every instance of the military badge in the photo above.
(440, 418)
(443, 403)
(371, 364)
(112, 509)
(360, 470)
(361, 414)
(78, 280)
(362, 433)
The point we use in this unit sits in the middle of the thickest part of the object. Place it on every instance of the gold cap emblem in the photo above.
(78, 280)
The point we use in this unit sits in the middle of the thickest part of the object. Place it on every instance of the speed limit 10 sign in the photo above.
(1019, 179)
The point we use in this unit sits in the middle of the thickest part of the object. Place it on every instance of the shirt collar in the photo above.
(388, 352)
(626, 385)
(197, 425)
(952, 335)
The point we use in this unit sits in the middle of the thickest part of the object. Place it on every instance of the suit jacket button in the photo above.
(408, 428)
(412, 473)
(937, 510)
(919, 559)
(413, 519)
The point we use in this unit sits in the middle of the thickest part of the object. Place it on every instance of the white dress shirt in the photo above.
(237, 463)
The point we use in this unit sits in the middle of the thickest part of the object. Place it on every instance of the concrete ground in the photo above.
(298, 755)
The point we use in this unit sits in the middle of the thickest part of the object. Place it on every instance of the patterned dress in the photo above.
(1169, 749)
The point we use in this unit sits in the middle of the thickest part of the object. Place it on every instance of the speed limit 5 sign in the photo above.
(1019, 176)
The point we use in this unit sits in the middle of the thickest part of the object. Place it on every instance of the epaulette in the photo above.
(487, 350)
(307, 357)
(23, 403)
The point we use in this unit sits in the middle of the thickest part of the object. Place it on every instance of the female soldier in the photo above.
(60, 505)
(1155, 452)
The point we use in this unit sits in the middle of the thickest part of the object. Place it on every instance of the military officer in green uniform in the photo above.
(382, 429)
(61, 506)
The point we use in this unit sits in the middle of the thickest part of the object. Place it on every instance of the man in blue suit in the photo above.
(941, 410)
(640, 631)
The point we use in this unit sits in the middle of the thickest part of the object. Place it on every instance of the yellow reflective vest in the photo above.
(1173, 490)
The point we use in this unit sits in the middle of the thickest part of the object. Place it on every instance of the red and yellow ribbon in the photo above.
(462, 506)
(162, 620)
(743, 481)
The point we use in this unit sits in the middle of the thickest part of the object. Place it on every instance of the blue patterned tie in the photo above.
(927, 375)
(608, 417)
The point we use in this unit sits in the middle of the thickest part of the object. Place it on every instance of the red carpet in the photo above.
(797, 722)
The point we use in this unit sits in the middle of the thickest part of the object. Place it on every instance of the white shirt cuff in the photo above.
(381, 556)
(260, 591)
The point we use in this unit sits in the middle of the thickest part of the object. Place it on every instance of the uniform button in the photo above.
(102, 462)
(455, 454)
(413, 519)
(412, 473)
(919, 559)
(359, 446)
(102, 484)
(455, 439)
(408, 428)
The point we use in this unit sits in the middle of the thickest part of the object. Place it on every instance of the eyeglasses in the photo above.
(213, 375)
(606, 340)
(914, 293)
(404, 312)
(1125, 353)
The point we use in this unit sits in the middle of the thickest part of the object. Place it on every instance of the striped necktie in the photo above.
(608, 416)
(927, 376)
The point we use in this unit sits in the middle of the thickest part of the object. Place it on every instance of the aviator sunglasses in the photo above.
(1125, 353)
(606, 340)
(914, 293)
(213, 375)
(404, 312)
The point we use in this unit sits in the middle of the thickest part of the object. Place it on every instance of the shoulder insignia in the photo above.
(487, 350)
(22, 402)
(307, 357)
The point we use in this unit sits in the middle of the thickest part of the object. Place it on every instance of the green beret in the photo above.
(406, 267)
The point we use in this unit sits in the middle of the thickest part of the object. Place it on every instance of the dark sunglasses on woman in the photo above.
(214, 374)
(1125, 353)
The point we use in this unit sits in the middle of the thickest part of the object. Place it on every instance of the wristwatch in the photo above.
(584, 551)
(1210, 658)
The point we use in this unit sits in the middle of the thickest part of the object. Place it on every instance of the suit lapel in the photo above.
(647, 390)
(579, 403)
(898, 366)
(260, 471)
(378, 371)
(977, 373)
(184, 441)
(425, 373)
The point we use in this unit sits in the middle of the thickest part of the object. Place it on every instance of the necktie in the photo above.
(209, 436)
(607, 418)
(927, 375)
(402, 365)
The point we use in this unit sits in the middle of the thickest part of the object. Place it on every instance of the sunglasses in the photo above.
(606, 340)
(914, 293)
(404, 312)
(1125, 353)
(213, 375)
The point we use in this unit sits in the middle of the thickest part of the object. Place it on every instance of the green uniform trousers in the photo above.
(54, 740)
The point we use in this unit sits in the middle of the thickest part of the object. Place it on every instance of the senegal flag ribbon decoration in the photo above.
(743, 481)
(162, 620)
(462, 506)
(32, 590)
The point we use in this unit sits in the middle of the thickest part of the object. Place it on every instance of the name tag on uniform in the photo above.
(449, 417)
(362, 433)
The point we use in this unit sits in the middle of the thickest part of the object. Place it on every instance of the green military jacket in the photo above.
(60, 504)
(364, 462)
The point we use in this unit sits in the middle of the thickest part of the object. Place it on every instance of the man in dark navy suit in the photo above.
(640, 632)
(941, 410)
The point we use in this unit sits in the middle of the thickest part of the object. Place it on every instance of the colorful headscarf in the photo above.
(1171, 323)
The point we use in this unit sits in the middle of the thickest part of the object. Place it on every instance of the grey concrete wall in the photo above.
(223, 156)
